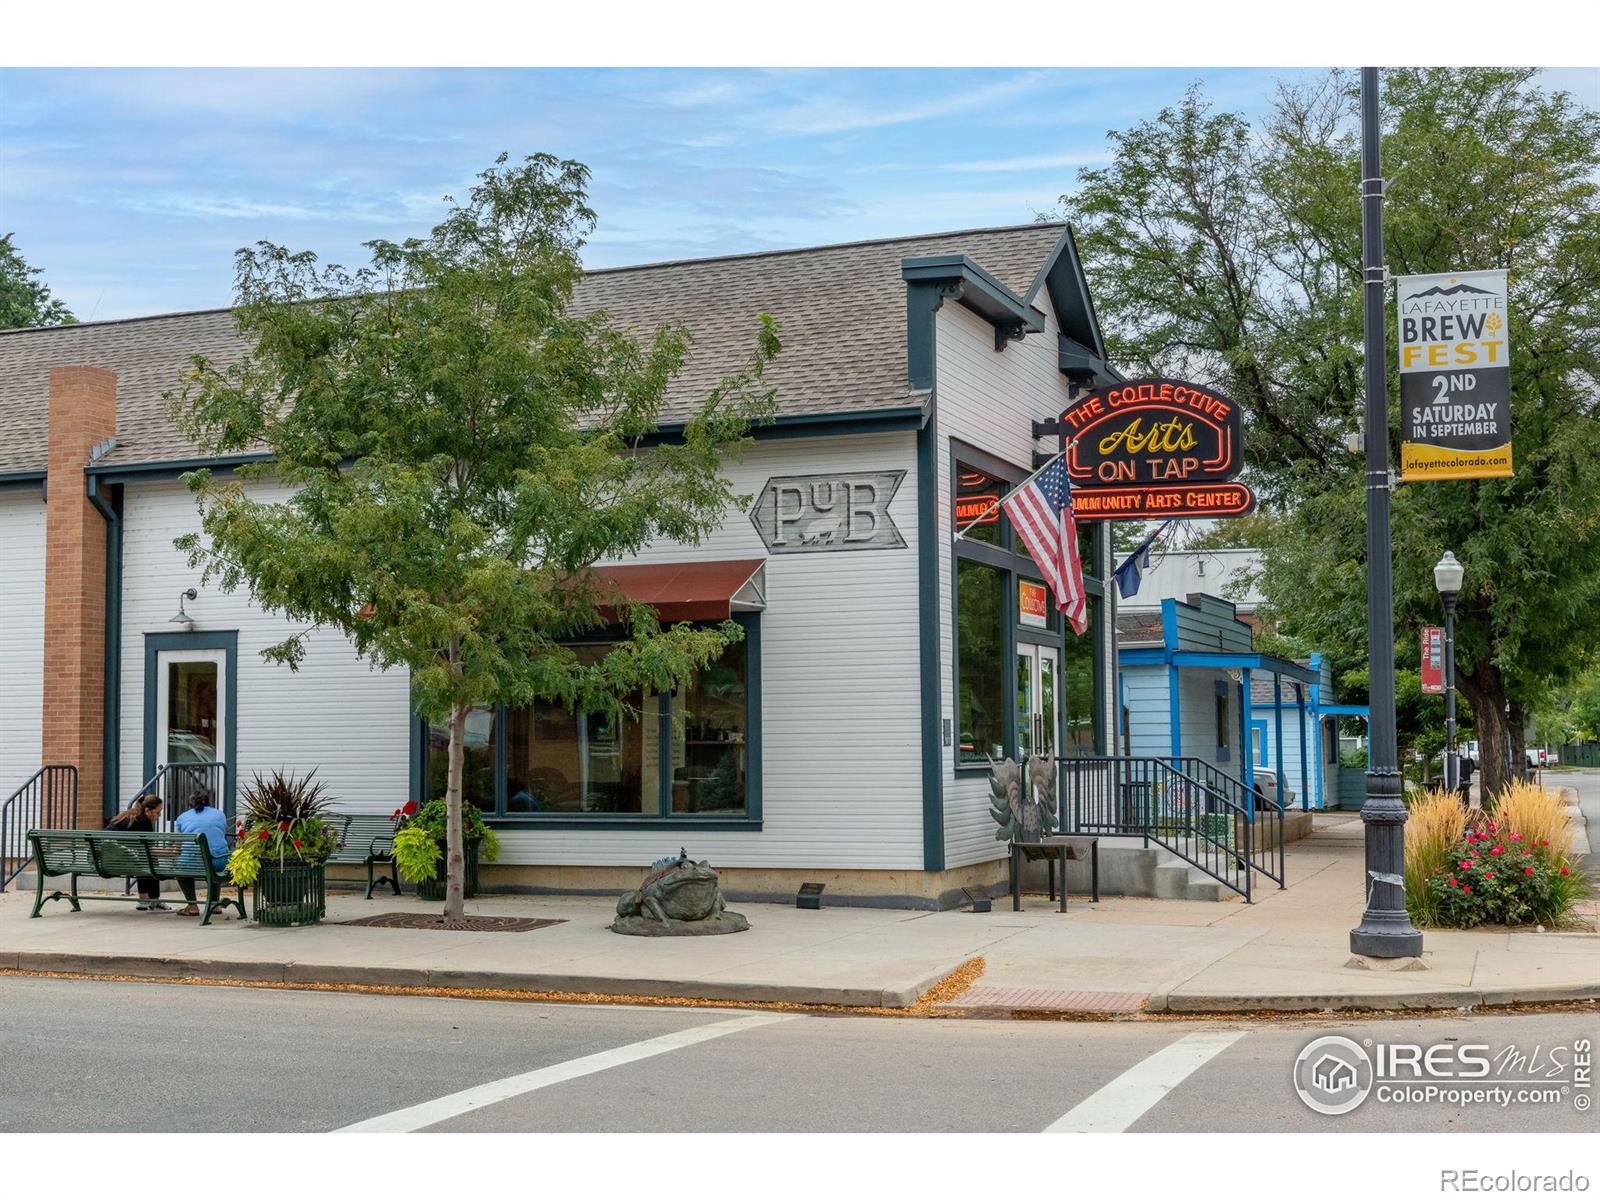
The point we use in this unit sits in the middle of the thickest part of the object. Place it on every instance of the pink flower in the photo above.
(1488, 874)
(1452, 881)
(1497, 850)
(1465, 888)
(1527, 870)
(1516, 837)
(1465, 865)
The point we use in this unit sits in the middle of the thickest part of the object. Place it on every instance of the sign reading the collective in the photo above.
(809, 514)
(1455, 376)
(1152, 432)
(1164, 503)
(1033, 604)
(1432, 658)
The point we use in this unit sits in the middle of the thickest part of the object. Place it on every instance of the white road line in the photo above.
(1141, 1087)
(420, 1116)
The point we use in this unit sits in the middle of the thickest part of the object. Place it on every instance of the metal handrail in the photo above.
(1156, 800)
(1268, 859)
(48, 800)
(176, 784)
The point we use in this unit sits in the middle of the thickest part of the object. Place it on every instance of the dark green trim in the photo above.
(19, 480)
(1063, 278)
(228, 640)
(419, 759)
(751, 624)
(683, 822)
(171, 468)
(974, 288)
(923, 300)
(111, 704)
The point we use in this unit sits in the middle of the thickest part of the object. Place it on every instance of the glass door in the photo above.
(191, 714)
(1038, 681)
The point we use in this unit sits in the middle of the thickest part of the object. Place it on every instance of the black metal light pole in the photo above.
(1385, 930)
(1447, 576)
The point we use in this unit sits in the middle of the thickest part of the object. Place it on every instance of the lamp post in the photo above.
(1385, 930)
(1447, 577)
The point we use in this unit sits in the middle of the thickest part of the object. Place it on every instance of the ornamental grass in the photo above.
(1434, 824)
(1513, 867)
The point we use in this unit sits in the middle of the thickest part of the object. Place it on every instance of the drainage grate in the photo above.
(1048, 999)
(400, 920)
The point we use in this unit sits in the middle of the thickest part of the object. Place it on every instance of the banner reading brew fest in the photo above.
(1455, 376)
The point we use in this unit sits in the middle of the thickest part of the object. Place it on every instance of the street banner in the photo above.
(1432, 658)
(1455, 376)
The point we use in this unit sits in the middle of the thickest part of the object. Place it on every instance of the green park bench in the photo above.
(111, 854)
(368, 840)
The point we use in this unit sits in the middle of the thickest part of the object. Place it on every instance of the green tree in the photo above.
(24, 301)
(1230, 253)
(459, 449)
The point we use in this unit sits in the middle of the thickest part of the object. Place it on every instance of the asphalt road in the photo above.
(1586, 783)
(86, 1055)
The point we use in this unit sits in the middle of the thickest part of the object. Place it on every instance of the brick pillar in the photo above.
(83, 412)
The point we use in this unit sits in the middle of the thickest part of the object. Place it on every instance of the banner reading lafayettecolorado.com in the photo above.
(1455, 376)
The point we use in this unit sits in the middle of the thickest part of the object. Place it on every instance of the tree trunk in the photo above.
(1485, 691)
(1519, 740)
(454, 859)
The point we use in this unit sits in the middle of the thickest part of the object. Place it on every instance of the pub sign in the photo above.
(814, 514)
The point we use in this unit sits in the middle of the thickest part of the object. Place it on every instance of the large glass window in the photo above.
(981, 613)
(978, 504)
(477, 768)
(1077, 686)
(656, 756)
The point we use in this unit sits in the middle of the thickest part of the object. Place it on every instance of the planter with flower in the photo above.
(419, 846)
(284, 838)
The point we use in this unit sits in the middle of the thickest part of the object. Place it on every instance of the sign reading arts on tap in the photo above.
(1455, 376)
(1155, 448)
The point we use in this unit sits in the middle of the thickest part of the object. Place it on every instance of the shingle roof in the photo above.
(1261, 688)
(841, 310)
(1135, 627)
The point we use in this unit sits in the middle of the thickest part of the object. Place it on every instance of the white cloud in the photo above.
(832, 114)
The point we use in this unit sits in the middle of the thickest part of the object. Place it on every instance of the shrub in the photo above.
(1498, 875)
(1536, 814)
(1434, 824)
(425, 827)
(284, 819)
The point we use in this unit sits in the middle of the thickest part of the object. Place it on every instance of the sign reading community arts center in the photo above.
(1152, 431)
(813, 514)
(1164, 503)
(1455, 376)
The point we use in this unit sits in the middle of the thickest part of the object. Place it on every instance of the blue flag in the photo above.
(1131, 573)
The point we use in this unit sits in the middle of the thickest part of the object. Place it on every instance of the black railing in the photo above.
(1265, 814)
(49, 800)
(177, 783)
(1203, 821)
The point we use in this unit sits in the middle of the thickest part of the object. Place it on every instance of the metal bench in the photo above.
(368, 839)
(1055, 850)
(110, 854)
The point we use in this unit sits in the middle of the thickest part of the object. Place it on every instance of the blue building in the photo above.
(1191, 684)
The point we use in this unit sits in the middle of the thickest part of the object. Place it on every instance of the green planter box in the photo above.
(293, 894)
(433, 889)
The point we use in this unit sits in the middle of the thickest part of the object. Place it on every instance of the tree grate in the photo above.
(403, 920)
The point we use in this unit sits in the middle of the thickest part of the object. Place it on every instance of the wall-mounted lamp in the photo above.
(184, 618)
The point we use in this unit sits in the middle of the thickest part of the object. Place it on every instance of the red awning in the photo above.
(693, 591)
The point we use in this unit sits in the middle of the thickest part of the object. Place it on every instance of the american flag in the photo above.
(1041, 512)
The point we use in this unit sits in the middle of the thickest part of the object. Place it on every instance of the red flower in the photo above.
(264, 835)
(1488, 874)
(1527, 870)
(1516, 837)
(283, 825)
(409, 808)
(1544, 843)
(1563, 870)
(1465, 865)
(1527, 854)
(395, 815)
(297, 846)
(1497, 850)
(1465, 888)
(1452, 881)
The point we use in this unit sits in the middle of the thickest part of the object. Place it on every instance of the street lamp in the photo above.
(1447, 578)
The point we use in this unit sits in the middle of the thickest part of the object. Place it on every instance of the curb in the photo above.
(1388, 1002)
(153, 967)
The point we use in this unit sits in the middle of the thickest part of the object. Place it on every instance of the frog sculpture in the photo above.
(678, 896)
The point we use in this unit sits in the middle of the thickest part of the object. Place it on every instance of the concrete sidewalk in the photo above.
(1288, 951)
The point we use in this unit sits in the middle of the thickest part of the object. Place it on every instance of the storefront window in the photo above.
(978, 504)
(565, 762)
(708, 735)
(980, 661)
(477, 767)
(1077, 685)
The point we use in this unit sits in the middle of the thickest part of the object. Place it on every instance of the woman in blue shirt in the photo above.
(201, 818)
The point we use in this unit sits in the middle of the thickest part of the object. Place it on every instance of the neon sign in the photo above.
(1152, 431)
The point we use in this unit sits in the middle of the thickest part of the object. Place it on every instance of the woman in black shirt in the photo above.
(141, 817)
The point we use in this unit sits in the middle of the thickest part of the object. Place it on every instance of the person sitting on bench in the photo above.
(201, 818)
(141, 817)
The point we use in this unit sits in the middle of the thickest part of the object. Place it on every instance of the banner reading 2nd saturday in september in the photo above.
(1455, 376)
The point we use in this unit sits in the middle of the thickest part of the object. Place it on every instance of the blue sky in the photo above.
(132, 188)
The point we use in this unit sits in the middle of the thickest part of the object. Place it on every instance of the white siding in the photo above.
(839, 687)
(841, 786)
(21, 636)
(988, 399)
(335, 713)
